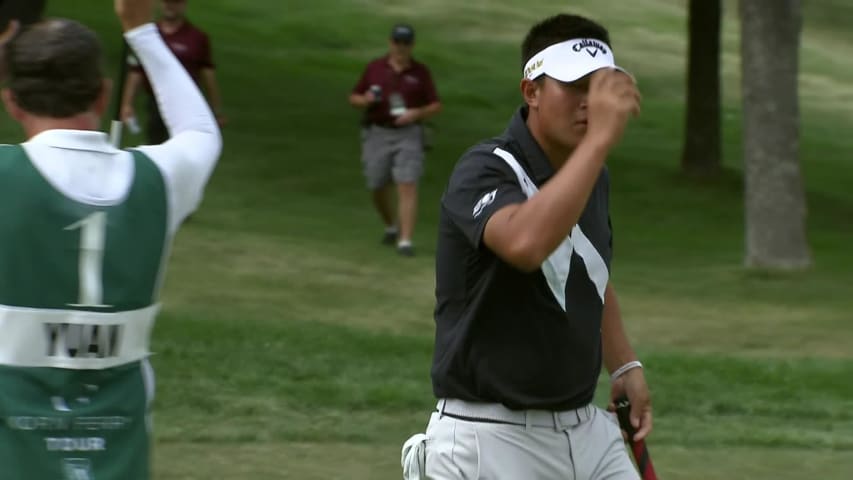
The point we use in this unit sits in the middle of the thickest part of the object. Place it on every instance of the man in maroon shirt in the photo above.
(192, 47)
(397, 94)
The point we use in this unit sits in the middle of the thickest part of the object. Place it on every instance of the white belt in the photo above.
(74, 339)
(495, 412)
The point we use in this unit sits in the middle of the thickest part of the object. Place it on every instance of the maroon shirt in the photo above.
(414, 84)
(192, 48)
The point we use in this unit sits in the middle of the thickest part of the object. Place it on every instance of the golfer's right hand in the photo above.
(612, 99)
(134, 13)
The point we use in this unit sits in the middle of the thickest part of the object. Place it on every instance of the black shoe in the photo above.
(406, 250)
(389, 238)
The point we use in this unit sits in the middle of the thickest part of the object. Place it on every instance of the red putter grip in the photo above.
(641, 453)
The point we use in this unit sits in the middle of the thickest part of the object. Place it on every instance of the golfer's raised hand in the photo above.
(134, 13)
(613, 98)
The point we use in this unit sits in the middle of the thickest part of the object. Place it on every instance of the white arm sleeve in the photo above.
(188, 157)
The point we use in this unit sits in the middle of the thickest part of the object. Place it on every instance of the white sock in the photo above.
(404, 243)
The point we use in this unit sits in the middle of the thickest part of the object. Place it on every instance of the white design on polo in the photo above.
(557, 266)
(484, 202)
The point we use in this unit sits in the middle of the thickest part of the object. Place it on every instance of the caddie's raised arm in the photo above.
(187, 159)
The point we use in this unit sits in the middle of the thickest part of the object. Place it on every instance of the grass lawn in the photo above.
(293, 345)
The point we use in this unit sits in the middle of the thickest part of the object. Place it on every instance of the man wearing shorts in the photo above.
(525, 311)
(397, 94)
(83, 246)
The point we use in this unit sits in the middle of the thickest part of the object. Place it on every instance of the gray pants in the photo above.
(392, 154)
(579, 445)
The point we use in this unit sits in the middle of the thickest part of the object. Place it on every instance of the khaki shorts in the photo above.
(586, 449)
(392, 154)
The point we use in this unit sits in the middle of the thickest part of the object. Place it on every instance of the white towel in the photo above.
(413, 458)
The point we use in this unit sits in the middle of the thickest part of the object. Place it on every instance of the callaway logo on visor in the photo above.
(571, 60)
(592, 47)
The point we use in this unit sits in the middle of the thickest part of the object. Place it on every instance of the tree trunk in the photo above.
(775, 196)
(702, 152)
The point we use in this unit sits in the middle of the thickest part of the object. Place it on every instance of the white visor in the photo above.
(571, 60)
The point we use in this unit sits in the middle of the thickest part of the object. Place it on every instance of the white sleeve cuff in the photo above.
(140, 31)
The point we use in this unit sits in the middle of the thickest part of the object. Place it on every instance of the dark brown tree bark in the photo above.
(702, 155)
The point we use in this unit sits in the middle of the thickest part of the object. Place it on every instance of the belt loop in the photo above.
(558, 424)
(588, 411)
(528, 419)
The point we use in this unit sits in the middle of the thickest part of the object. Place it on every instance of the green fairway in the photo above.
(292, 345)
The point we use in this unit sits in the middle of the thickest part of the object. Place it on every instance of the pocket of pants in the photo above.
(452, 450)
(611, 422)
(611, 416)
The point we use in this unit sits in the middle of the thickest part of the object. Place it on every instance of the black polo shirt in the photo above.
(503, 335)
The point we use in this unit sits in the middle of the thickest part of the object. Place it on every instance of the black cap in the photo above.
(403, 33)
